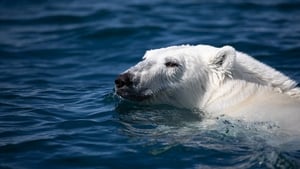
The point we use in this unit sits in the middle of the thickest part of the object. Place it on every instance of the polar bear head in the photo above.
(178, 75)
(183, 75)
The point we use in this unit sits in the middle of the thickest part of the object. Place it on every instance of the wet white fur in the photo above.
(218, 81)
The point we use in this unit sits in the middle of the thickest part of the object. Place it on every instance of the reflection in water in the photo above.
(166, 129)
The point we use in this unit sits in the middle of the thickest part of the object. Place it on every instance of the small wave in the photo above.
(117, 32)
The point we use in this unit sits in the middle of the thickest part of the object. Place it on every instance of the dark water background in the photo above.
(58, 61)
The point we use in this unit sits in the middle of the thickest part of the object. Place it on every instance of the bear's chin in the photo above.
(133, 96)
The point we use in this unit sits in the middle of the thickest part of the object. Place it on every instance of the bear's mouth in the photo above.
(126, 88)
(132, 95)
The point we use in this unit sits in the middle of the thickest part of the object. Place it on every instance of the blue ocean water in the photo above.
(59, 59)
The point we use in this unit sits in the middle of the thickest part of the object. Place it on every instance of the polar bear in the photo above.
(216, 81)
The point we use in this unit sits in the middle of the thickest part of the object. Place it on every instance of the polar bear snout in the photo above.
(124, 80)
(125, 86)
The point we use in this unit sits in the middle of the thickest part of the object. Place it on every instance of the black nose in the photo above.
(124, 80)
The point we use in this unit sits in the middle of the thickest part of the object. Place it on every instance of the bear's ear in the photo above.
(224, 58)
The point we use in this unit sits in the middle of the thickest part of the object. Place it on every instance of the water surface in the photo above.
(59, 59)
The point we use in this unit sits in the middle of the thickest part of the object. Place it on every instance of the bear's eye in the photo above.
(171, 64)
